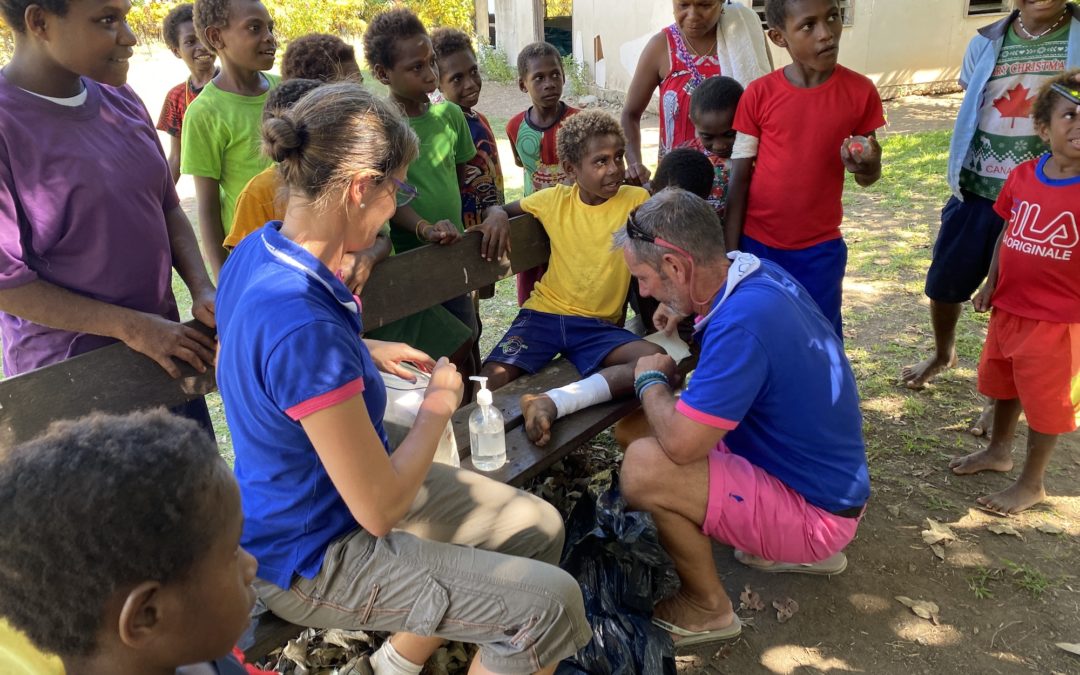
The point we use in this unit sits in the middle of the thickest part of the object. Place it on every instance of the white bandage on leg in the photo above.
(746, 146)
(581, 394)
(387, 661)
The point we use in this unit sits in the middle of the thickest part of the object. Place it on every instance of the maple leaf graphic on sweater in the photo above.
(1015, 104)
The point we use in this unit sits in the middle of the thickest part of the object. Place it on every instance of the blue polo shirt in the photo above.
(290, 346)
(773, 373)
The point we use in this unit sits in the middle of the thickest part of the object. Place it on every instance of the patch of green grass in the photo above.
(979, 582)
(912, 169)
(1028, 578)
(938, 503)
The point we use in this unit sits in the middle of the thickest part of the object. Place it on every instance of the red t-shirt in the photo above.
(1039, 260)
(171, 119)
(798, 181)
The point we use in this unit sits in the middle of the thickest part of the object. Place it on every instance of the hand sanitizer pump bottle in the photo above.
(487, 437)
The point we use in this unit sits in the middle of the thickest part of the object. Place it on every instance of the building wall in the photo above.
(517, 23)
(902, 45)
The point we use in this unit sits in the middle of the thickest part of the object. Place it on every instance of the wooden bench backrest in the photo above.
(116, 379)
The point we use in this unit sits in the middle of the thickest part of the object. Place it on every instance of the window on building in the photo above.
(846, 11)
(977, 7)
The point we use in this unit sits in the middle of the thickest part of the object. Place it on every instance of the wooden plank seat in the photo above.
(118, 380)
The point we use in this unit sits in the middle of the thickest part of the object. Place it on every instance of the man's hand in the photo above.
(388, 357)
(163, 340)
(443, 232)
(662, 362)
(496, 231)
(666, 319)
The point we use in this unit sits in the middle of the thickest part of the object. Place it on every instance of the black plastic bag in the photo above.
(617, 559)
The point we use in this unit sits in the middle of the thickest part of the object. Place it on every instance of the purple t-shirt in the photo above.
(95, 186)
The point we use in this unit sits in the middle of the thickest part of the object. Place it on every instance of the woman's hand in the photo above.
(444, 392)
(388, 357)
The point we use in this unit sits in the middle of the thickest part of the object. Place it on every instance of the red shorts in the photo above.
(756, 512)
(1037, 362)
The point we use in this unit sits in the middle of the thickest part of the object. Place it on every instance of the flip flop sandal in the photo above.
(689, 638)
(834, 564)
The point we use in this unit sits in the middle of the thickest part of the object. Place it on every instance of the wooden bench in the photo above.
(118, 380)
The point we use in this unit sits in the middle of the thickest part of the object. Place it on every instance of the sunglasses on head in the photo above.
(634, 231)
(1070, 95)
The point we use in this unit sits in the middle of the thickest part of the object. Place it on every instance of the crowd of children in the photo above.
(768, 151)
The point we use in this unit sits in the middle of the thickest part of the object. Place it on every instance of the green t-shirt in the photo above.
(221, 139)
(445, 142)
(1006, 135)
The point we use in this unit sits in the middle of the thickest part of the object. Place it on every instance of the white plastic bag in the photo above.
(403, 399)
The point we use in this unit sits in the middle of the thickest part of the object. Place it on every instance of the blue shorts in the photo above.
(535, 338)
(963, 249)
(819, 268)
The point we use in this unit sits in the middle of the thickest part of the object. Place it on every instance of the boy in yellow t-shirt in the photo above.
(576, 307)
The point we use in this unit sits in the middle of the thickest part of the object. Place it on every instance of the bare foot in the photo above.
(983, 460)
(916, 376)
(691, 616)
(1013, 499)
(985, 421)
(539, 412)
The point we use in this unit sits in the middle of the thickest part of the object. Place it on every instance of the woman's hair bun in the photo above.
(282, 138)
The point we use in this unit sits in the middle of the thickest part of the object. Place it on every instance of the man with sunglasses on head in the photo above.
(763, 450)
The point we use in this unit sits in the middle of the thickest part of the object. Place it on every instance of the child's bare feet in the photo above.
(539, 412)
(985, 421)
(1014, 499)
(990, 459)
(916, 376)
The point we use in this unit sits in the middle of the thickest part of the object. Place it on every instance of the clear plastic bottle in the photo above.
(487, 435)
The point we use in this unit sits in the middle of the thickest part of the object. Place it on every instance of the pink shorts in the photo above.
(757, 513)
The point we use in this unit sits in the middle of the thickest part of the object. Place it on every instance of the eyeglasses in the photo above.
(405, 192)
(634, 231)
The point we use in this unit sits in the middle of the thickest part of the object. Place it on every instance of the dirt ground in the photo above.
(1005, 599)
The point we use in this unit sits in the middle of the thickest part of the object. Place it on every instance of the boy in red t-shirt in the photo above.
(795, 141)
(178, 31)
(1031, 359)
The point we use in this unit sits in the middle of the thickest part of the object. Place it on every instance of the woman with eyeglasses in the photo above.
(347, 535)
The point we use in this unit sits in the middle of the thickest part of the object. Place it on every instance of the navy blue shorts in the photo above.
(535, 338)
(819, 268)
(964, 248)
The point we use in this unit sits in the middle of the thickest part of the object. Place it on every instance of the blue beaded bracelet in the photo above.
(649, 375)
(641, 390)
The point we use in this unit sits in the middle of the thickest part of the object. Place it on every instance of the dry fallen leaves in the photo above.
(785, 609)
(936, 532)
(1049, 528)
(750, 600)
(938, 550)
(1004, 528)
(924, 609)
(1071, 647)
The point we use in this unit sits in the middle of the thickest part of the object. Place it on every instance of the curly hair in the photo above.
(776, 12)
(715, 94)
(685, 168)
(96, 505)
(450, 41)
(14, 11)
(332, 134)
(286, 95)
(209, 13)
(572, 141)
(533, 51)
(316, 56)
(1043, 109)
(386, 29)
(170, 27)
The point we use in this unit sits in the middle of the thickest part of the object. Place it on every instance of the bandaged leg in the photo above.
(540, 410)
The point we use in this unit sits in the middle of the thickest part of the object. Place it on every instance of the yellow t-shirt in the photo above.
(261, 201)
(19, 657)
(585, 277)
